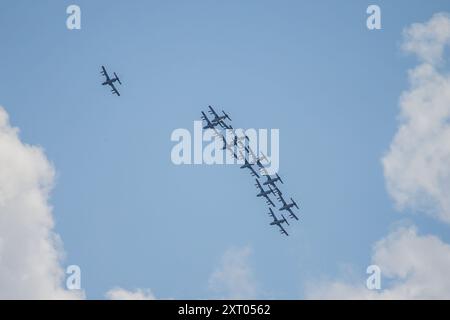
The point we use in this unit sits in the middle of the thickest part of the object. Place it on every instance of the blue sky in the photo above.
(129, 217)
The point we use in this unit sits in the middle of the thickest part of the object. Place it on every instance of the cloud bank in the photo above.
(30, 251)
(233, 278)
(137, 294)
(417, 265)
(417, 174)
(417, 166)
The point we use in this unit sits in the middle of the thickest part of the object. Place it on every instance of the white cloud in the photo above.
(428, 40)
(418, 267)
(417, 166)
(417, 173)
(137, 294)
(30, 251)
(233, 279)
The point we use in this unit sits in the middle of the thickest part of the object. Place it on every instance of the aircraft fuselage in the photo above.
(276, 222)
(218, 119)
(264, 193)
(270, 181)
(110, 82)
(287, 206)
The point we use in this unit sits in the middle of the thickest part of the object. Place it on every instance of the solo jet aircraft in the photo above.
(110, 81)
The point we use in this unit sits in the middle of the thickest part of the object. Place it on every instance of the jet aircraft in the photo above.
(248, 165)
(110, 81)
(219, 119)
(264, 193)
(278, 222)
(288, 206)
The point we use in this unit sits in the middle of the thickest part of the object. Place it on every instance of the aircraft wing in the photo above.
(224, 125)
(213, 112)
(105, 73)
(249, 150)
(272, 214)
(283, 231)
(253, 170)
(114, 90)
(269, 201)
(258, 185)
(204, 117)
(248, 165)
(281, 199)
(276, 190)
(292, 214)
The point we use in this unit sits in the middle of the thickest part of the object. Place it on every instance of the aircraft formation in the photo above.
(238, 142)
(251, 161)
(254, 164)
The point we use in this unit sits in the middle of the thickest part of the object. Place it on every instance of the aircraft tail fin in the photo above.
(117, 78)
(295, 204)
(226, 115)
(279, 178)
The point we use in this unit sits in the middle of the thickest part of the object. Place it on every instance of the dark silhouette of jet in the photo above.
(110, 81)
(249, 166)
(288, 206)
(264, 193)
(278, 222)
(219, 120)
